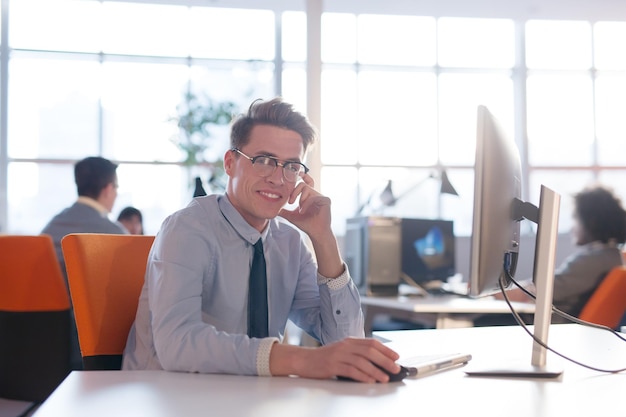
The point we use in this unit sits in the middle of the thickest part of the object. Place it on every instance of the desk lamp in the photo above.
(388, 199)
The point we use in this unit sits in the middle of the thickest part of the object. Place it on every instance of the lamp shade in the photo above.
(446, 185)
(388, 199)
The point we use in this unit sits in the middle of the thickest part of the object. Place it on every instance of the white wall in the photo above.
(513, 9)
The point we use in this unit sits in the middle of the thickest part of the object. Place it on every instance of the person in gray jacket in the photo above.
(96, 183)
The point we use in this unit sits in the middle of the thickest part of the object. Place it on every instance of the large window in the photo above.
(105, 78)
(398, 95)
(399, 105)
(575, 125)
(399, 100)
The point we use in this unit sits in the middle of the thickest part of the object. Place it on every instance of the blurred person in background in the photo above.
(132, 219)
(599, 232)
(96, 184)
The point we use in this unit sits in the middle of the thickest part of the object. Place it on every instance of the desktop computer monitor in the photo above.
(428, 251)
(497, 184)
(498, 209)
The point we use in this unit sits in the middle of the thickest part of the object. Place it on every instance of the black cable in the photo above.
(564, 314)
(519, 321)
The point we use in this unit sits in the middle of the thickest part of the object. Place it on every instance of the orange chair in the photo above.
(34, 318)
(106, 274)
(607, 304)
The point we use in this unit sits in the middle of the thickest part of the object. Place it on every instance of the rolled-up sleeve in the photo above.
(341, 305)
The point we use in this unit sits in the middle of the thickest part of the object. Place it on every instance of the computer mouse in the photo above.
(397, 377)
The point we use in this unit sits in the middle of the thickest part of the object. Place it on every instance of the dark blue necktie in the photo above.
(257, 294)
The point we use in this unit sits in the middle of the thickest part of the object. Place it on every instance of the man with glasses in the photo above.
(198, 309)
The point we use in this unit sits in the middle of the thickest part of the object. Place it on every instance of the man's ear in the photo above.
(107, 196)
(229, 160)
(106, 191)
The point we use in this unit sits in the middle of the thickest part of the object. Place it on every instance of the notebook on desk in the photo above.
(428, 364)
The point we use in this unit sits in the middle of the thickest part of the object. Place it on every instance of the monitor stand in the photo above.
(543, 277)
(520, 371)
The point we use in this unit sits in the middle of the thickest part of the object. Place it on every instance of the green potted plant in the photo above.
(196, 115)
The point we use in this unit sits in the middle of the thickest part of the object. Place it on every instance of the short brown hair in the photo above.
(92, 175)
(275, 112)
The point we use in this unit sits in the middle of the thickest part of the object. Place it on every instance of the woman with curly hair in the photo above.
(599, 231)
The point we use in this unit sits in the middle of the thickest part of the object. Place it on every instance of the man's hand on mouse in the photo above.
(356, 358)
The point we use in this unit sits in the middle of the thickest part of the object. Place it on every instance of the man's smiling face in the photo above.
(256, 198)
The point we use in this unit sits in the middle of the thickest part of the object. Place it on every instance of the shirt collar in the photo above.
(241, 226)
(88, 201)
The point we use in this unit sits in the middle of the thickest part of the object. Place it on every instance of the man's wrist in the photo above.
(337, 282)
(263, 356)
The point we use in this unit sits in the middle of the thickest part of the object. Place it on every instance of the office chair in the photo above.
(607, 304)
(34, 319)
(106, 274)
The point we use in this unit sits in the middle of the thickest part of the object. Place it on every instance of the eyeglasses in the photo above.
(265, 166)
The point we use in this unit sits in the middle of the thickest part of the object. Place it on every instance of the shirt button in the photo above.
(338, 312)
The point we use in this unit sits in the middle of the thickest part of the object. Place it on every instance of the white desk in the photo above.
(440, 312)
(579, 392)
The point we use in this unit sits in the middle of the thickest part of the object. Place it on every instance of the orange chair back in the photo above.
(31, 278)
(106, 274)
(607, 304)
(34, 318)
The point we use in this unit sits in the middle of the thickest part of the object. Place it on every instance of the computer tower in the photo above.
(373, 253)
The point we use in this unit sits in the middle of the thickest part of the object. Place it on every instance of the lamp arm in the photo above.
(367, 203)
(414, 186)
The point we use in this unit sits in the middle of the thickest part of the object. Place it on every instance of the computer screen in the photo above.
(498, 209)
(497, 184)
(428, 250)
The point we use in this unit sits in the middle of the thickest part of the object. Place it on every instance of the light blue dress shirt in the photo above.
(192, 313)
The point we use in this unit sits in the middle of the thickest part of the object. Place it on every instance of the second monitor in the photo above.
(428, 252)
